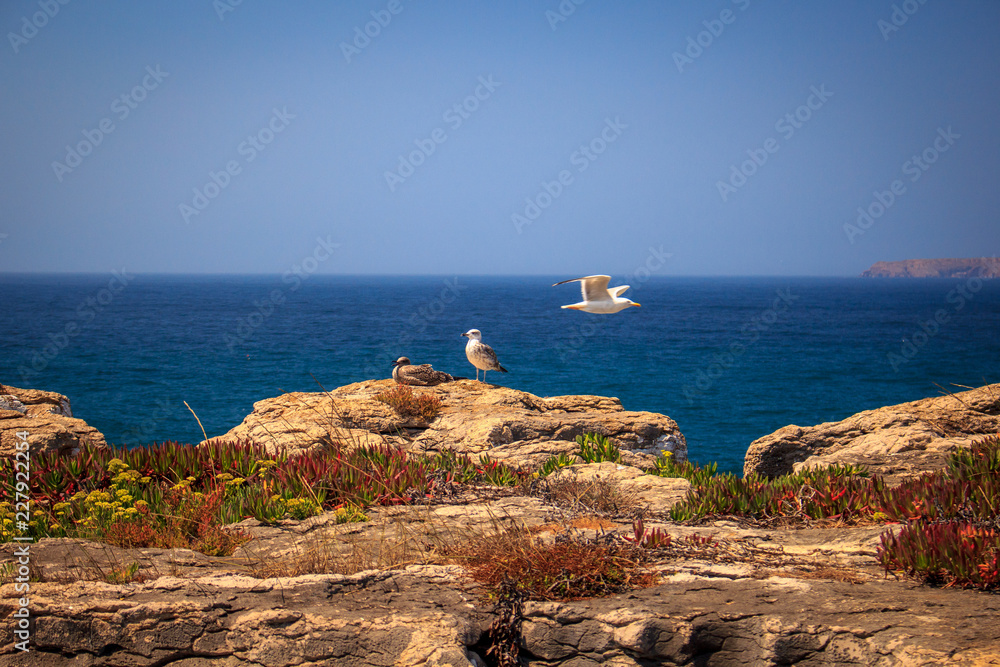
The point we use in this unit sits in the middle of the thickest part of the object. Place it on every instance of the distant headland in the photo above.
(984, 267)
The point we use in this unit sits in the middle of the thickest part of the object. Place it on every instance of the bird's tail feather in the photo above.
(502, 369)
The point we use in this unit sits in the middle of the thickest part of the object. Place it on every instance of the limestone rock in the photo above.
(9, 402)
(230, 620)
(777, 621)
(48, 420)
(794, 606)
(512, 426)
(37, 401)
(897, 442)
(813, 596)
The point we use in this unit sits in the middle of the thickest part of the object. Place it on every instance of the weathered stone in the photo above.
(47, 419)
(237, 620)
(10, 403)
(774, 621)
(898, 441)
(512, 426)
(37, 401)
(812, 597)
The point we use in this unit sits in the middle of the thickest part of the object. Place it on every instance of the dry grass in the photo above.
(110, 565)
(407, 404)
(591, 497)
(349, 548)
(571, 568)
(325, 556)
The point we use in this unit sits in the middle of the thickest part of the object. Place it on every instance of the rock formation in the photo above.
(511, 426)
(984, 267)
(897, 441)
(807, 597)
(48, 420)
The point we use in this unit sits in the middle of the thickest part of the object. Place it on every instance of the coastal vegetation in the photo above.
(942, 528)
(176, 495)
(407, 404)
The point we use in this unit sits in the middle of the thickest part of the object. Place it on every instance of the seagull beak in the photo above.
(637, 305)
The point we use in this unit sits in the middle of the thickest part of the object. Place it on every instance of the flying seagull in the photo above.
(480, 354)
(418, 376)
(598, 298)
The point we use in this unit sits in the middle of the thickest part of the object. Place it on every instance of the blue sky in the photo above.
(739, 137)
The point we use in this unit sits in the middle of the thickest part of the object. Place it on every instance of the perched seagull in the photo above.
(417, 376)
(480, 354)
(598, 298)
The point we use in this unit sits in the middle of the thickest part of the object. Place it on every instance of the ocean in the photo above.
(730, 359)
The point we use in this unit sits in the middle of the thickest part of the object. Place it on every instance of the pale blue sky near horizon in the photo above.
(725, 137)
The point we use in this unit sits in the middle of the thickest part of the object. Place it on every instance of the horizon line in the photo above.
(623, 275)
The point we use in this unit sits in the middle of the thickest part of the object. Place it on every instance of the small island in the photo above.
(983, 267)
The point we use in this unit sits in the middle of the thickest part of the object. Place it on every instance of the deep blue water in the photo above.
(730, 359)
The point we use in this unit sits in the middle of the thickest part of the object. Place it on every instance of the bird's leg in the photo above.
(484, 376)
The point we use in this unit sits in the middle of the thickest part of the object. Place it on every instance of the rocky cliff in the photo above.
(47, 419)
(896, 442)
(983, 267)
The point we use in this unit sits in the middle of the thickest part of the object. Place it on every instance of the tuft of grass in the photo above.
(189, 520)
(598, 497)
(407, 404)
(124, 574)
(333, 550)
(497, 474)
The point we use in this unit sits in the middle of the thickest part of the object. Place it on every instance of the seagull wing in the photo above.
(486, 352)
(563, 282)
(621, 289)
(594, 288)
(427, 375)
